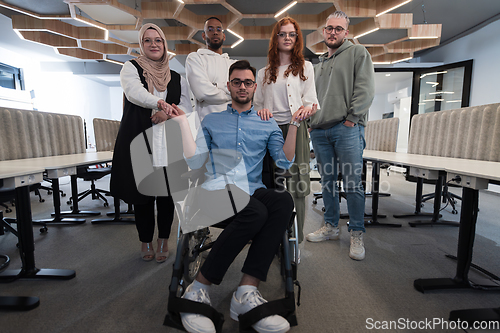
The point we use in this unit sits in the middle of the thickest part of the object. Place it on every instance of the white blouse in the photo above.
(298, 92)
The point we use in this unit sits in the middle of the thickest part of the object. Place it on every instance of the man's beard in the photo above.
(238, 100)
(334, 45)
(214, 46)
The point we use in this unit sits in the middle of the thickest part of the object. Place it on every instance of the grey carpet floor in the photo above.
(115, 291)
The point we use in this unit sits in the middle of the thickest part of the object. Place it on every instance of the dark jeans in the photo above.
(264, 221)
(145, 218)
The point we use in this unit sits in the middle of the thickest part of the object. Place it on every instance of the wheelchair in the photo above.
(192, 246)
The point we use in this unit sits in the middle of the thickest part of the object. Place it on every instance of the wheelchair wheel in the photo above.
(193, 258)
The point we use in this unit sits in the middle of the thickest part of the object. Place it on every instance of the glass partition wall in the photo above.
(441, 88)
(431, 89)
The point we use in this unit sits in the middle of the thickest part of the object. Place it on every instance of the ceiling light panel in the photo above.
(252, 20)
(383, 36)
(107, 14)
(307, 9)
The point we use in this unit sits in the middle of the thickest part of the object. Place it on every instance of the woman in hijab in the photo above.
(149, 87)
(285, 86)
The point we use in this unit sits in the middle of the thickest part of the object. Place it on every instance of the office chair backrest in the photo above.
(30, 134)
(105, 132)
(468, 133)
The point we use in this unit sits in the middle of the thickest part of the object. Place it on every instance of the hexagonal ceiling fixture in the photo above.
(108, 29)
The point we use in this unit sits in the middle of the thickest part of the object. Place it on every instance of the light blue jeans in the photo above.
(340, 149)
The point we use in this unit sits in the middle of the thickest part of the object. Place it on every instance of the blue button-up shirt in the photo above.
(236, 145)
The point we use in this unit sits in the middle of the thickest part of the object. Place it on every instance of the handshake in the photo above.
(166, 111)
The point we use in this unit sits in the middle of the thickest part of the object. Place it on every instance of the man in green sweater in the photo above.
(345, 86)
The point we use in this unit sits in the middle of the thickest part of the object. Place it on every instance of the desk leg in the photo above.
(27, 245)
(368, 194)
(129, 211)
(437, 207)
(15, 303)
(472, 315)
(466, 234)
(418, 202)
(57, 207)
(375, 196)
(117, 218)
(18, 303)
(74, 200)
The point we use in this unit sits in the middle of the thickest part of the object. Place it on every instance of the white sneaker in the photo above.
(250, 300)
(324, 233)
(357, 251)
(196, 323)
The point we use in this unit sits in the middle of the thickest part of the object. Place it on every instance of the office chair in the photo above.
(5, 196)
(92, 174)
(49, 189)
(8, 195)
(447, 198)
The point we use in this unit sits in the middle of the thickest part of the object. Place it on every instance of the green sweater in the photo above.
(345, 84)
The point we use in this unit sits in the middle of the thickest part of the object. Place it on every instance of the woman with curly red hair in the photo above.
(284, 86)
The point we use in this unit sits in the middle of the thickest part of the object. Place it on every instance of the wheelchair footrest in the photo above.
(177, 305)
(284, 307)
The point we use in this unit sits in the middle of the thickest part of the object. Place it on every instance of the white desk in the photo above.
(19, 176)
(473, 176)
(64, 165)
(60, 166)
(422, 167)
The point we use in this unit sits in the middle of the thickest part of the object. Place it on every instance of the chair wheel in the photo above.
(106, 204)
(42, 200)
(63, 194)
(70, 207)
(421, 205)
(323, 209)
(43, 230)
(8, 210)
(454, 211)
(315, 201)
(49, 192)
(68, 202)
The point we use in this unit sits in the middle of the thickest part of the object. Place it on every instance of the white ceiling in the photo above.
(458, 17)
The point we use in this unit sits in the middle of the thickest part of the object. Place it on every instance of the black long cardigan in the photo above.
(136, 120)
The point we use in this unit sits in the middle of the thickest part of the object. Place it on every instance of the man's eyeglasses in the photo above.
(292, 34)
(329, 29)
(214, 29)
(148, 41)
(236, 83)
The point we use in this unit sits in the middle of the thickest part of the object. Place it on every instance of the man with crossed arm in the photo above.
(206, 71)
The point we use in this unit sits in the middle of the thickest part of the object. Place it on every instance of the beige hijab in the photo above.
(156, 73)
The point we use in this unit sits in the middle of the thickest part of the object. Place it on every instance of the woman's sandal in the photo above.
(149, 254)
(161, 255)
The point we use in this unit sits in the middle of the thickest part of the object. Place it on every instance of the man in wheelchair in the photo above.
(263, 220)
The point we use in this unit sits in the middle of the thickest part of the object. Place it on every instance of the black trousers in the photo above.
(145, 218)
(264, 221)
